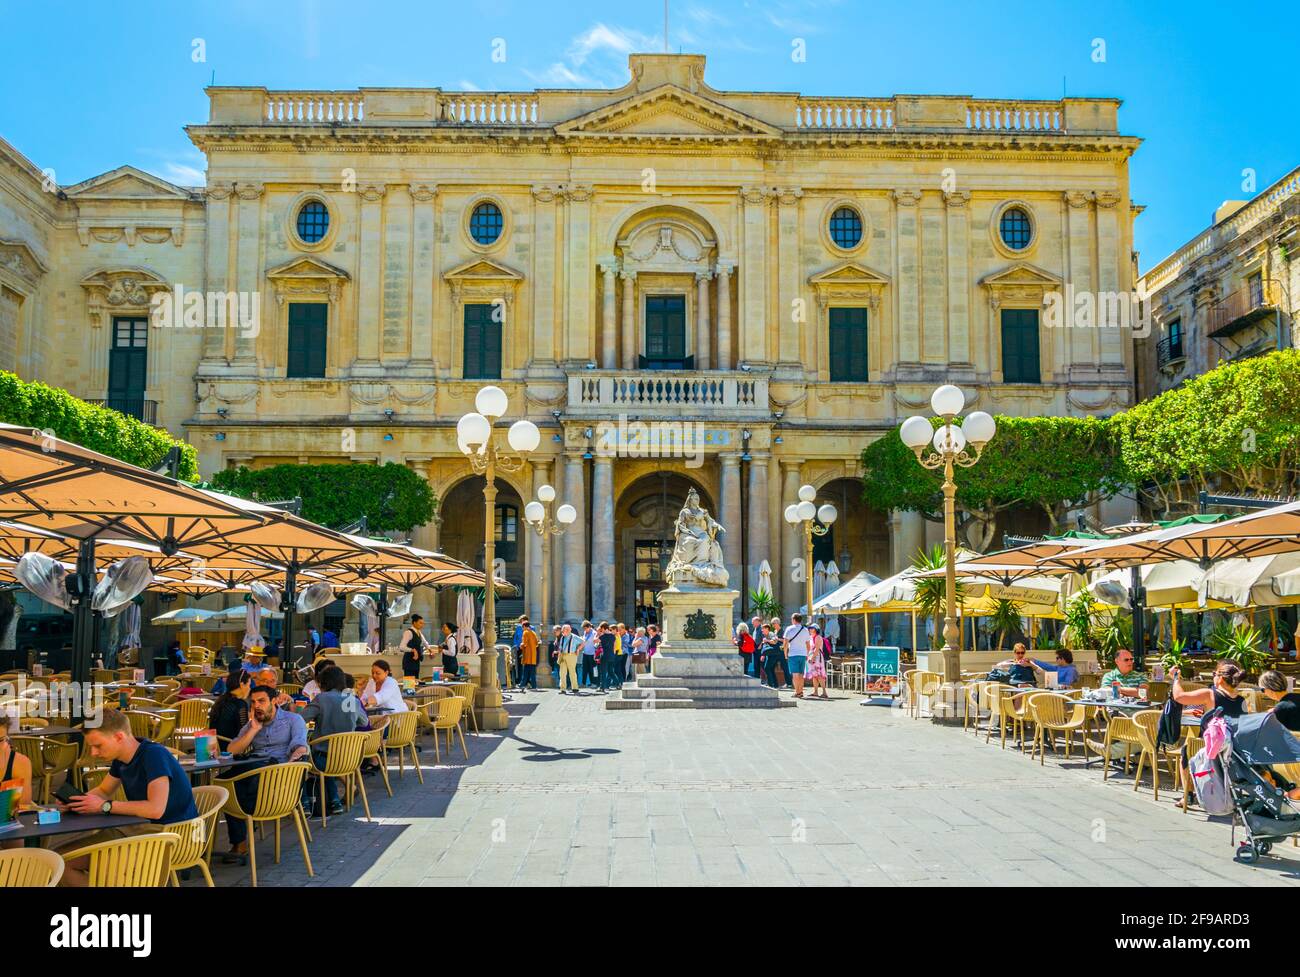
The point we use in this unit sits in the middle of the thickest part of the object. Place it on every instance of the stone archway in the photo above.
(643, 533)
(461, 513)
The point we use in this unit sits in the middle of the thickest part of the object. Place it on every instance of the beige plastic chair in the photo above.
(192, 717)
(1158, 692)
(1089, 680)
(343, 755)
(448, 718)
(30, 868)
(921, 685)
(1011, 711)
(279, 796)
(1147, 726)
(468, 692)
(976, 706)
(400, 736)
(139, 861)
(49, 758)
(1121, 734)
(1055, 714)
(1193, 743)
(375, 751)
(144, 725)
(194, 838)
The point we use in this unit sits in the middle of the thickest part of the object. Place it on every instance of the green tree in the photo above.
(1045, 462)
(390, 496)
(1234, 429)
(91, 426)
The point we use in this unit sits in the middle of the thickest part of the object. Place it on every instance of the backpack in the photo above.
(1210, 781)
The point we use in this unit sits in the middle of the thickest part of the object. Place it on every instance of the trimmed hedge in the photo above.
(32, 404)
(390, 496)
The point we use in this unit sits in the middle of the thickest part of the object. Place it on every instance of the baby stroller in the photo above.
(1257, 742)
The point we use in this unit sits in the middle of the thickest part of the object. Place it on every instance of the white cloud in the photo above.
(468, 86)
(186, 176)
(596, 58)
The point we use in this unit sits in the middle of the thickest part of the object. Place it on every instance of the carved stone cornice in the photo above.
(249, 191)
(423, 192)
(1077, 198)
(956, 199)
(907, 198)
(22, 261)
(1107, 198)
(787, 195)
(219, 191)
(576, 192)
(544, 193)
(372, 192)
(120, 290)
(753, 195)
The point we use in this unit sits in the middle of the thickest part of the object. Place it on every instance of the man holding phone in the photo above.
(155, 786)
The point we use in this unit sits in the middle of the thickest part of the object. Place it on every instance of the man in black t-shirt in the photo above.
(608, 660)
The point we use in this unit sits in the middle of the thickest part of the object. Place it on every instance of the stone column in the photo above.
(724, 317)
(756, 534)
(574, 595)
(608, 327)
(730, 517)
(602, 539)
(702, 320)
(629, 320)
(906, 538)
(792, 554)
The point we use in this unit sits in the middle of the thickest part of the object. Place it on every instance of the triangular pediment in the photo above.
(1020, 275)
(668, 111)
(19, 258)
(307, 267)
(848, 273)
(126, 183)
(483, 269)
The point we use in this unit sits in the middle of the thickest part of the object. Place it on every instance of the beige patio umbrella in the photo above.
(1251, 582)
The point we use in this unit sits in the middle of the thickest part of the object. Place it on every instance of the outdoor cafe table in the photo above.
(31, 834)
(47, 731)
(202, 771)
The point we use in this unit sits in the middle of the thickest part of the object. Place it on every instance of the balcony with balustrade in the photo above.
(1170, 353)
(1243, 308)
(661, 394)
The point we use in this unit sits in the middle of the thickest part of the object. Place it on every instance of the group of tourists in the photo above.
(799, 652)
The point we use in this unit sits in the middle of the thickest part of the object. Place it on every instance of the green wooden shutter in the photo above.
(482, 343)
(1020, 355)
(848, 345)
(308, 339)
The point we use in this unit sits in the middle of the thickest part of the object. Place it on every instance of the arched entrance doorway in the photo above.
(643, 532)
(461, 513)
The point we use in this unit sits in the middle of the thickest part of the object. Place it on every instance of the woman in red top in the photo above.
(745, 645)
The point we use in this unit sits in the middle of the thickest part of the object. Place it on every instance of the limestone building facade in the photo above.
(681, 286)
(1226, 294)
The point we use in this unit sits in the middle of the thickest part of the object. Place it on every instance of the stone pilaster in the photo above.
(756, 536)
(790, 334)
(630, 345)
(579, 273)
(424, 261)
(1111, 337)
(1082, 342)
(574, 595)
(729, 515)
(725, 361)
(959, 324)
(248, 259)
(754, 312)
(908, 327)
(906, 538)
(369, 284)
(702, 320)
(602, 538)
(544, 288)
(220, 269)
(608, 326)
(533, 571)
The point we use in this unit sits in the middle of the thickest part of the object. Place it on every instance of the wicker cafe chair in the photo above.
(1158, 692)
(975, 709)
(1011, 710)
(1089, 680)
(194, 837)
(144, 725)
(192, 717)
(1055, 714)
(1147, 727)
(401, 732)
(468, 692)
(1121, 736)
(49, 757)
(343, 755)
(1193, 743)
(448, 718)
(279, 796)
(375, 751)
(921, 685)
(102, 676)
(136, 861)
(30, 868)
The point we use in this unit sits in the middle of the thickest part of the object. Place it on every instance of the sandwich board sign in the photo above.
(881, 673)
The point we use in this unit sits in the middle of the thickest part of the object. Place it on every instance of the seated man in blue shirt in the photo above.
(155, 786)
(278, 736)
(1067, 676)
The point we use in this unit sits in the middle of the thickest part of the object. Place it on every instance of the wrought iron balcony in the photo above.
(1169, 352)
(137, 407)
(1245, 306)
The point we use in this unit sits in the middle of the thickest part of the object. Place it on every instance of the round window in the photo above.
(846, 228)
(313, 221)
(485, 223)
(1015, 228)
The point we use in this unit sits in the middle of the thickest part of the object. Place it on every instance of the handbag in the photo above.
(640, 658)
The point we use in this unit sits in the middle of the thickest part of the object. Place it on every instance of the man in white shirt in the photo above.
(795, 642)
(568, 646)
(589, 642)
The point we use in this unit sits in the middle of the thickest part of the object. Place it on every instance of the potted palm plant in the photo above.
(1242, 645)
(931, 591)
(1005, 619)
(1175, 658)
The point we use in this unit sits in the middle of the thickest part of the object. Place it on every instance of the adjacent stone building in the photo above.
(681, 286)
(1225, 295)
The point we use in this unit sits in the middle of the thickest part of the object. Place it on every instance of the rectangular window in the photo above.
(1176, 339)
(848, 345)
(482, 342)
(308, 339)
(665, 333)
(1020, 346)
(128, 363)
(1256, 284)
(507, 533)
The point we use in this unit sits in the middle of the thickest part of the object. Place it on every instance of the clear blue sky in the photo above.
(88, 86)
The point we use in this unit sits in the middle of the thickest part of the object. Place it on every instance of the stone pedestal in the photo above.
(697, 666)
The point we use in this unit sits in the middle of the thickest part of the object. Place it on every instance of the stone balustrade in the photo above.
(314, 108)
(668, 393)
(1015, 116)
(844, 113)
(489, 108)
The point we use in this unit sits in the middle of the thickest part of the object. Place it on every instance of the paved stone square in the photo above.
(827, 793)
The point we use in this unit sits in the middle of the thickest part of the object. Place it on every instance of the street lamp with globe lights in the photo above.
(950, 445)
(816, 522)
(474, 438)
(537, 515)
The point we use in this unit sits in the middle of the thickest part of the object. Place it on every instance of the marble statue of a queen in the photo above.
(697, 554)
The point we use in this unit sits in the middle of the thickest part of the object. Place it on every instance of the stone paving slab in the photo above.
(830, 793)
